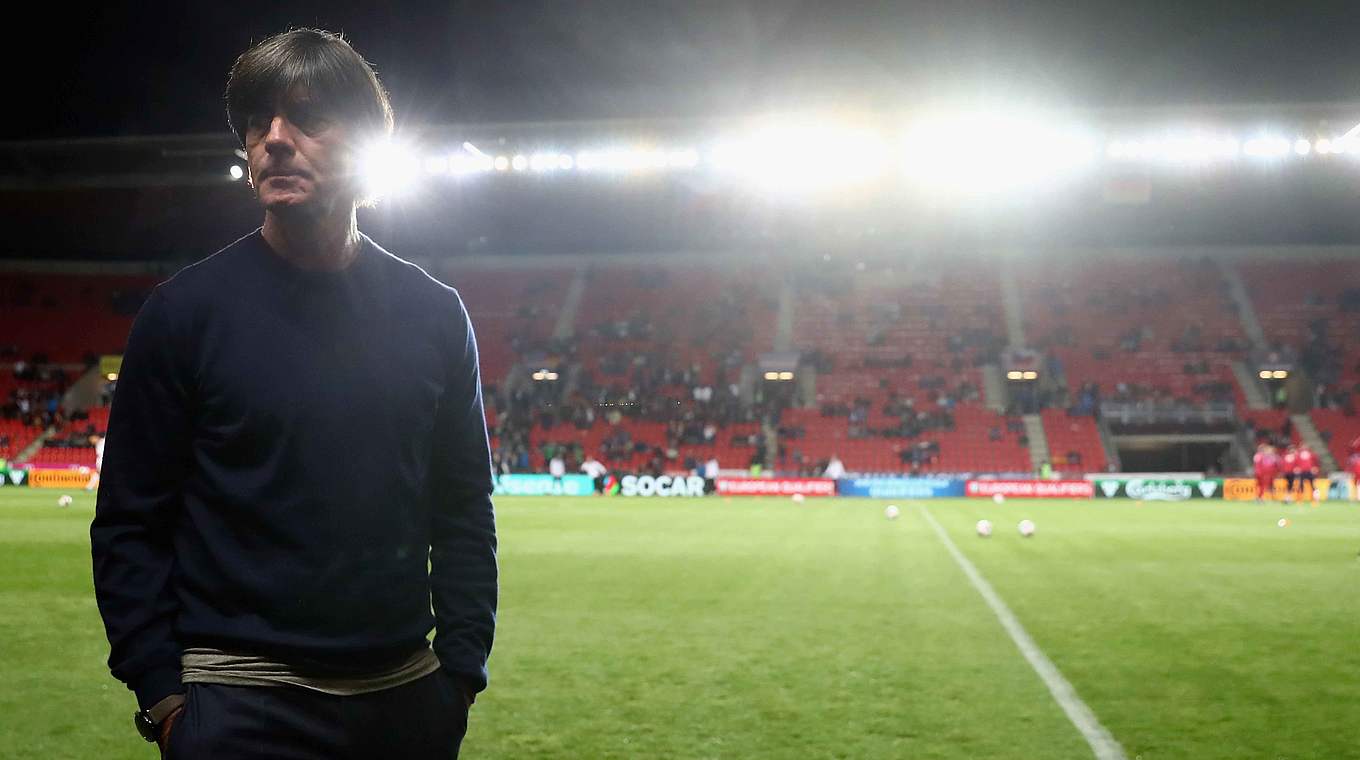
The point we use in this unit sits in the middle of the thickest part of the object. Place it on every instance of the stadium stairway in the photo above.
(571, 304)
(1251, 388)
(32, 449)
(1237, 290)
(1038, 441)
(1308, 433)
(1010, 301)
(783, 323)
(993, 388)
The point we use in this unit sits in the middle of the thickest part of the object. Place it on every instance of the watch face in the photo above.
(144, 726)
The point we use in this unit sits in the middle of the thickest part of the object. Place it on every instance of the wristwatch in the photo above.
(148, 722)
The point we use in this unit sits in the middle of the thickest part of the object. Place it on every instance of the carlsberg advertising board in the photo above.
(1159, 489)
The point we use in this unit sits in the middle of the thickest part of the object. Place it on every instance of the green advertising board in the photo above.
(1159, 489)
(10, 478)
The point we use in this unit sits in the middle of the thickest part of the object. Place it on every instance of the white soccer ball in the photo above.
(798, 498)
(1283, 523)
(984, 528)
(1026, 528)
(999, 498)
(891, 512)
(64, 500)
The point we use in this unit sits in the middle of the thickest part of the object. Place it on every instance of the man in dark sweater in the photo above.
(297, 480)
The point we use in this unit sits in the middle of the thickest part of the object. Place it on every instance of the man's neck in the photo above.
(326, 244)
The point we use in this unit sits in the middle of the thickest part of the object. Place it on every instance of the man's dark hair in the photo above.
(312, 63)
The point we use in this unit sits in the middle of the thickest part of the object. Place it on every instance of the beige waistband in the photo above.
(203, 665)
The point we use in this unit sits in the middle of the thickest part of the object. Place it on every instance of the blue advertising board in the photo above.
(900, 488)
(544, 485)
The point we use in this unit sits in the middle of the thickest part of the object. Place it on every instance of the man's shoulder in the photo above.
(412, 277)
(210, 273)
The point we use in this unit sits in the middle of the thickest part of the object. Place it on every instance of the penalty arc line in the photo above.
(1102, 743)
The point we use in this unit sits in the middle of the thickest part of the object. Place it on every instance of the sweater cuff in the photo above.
(157, 684)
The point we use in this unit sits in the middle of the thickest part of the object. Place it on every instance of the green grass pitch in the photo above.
(736, 628)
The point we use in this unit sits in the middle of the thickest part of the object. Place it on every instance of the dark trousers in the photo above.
(422, 719)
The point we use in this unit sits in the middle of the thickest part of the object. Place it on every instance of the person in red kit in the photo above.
(1288, 465)
(1306, 473)
(1265, 463)
(1354, 466)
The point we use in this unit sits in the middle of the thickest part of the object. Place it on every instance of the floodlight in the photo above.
(1279, 374)
(1264, 374)
(794, 156)
(1031, 375)
(785, 375)
(388, 168)
(501, 163)
(994, 150)
(1302, 147)
(519, 163)
(1015, 374)
(236, 171)
(771, 375)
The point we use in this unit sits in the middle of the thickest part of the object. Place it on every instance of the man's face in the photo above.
(301, 160)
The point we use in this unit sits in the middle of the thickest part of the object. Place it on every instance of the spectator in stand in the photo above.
(835, 468)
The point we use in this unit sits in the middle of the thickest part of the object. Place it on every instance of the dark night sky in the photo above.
(160, 68)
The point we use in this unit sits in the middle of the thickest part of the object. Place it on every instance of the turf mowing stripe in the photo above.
(1102, 743)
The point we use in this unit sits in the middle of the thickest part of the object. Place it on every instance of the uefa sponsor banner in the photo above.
(1159, 489)
(59, 478)
(1244, 489)
(661, 485)
(544, 485)
(900, 488)
(1031, 489)
(776, 486)
(13, 478)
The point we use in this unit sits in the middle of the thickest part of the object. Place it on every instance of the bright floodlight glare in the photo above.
(1014, 374)
(501, 163)
(519, 163)
(797, 156)
(1302, 147)
(1266, 147)
(983, 151)
(785, 375)
(1324, 146)
(437, 165)
(771, 375)
(1264, 374)
(1031, 375)
(389, 168)
(236, 171)
(1279, 374)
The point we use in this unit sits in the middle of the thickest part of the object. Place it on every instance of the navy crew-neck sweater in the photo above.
(296, 466)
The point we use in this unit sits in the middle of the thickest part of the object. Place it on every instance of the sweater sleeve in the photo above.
(463, 571)
(146, 459)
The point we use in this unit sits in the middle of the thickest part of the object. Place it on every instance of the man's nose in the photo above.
(280, 135)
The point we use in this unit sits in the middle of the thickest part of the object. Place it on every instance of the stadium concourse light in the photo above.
(236, 171)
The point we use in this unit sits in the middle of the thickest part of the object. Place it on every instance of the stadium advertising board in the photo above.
(1244, 489)
(900, 488)
(544, 485)
(1159, 489)
(63, 478)
(776, 486)
(1031, 489)
(664, 485)
(12, 478)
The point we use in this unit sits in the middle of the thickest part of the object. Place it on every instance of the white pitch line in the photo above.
(1101, 742)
